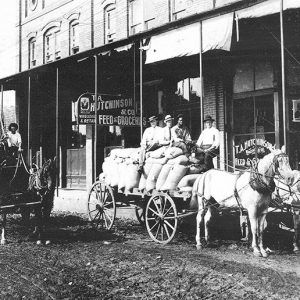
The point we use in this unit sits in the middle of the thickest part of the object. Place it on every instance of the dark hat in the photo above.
(152, 118)
(208, 118)
(13, 125)
(179, 116)
(168, 118)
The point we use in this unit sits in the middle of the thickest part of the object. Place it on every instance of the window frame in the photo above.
(73, 47)
(175, 14)
(31, 52)
(109, 36)
(50, 41)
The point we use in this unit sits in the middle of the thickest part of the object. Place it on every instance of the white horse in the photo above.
(250, 190)
(290, 195)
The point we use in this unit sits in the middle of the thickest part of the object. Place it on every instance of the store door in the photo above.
(255, 128)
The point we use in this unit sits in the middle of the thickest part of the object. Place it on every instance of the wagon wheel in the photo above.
(161, 218)
(101, 205)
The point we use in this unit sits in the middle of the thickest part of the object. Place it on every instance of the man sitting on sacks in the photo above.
(166, 136)
(150, 141)
(181, 134)
(208, 143)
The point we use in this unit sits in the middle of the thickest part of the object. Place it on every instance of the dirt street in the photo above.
(82, 263)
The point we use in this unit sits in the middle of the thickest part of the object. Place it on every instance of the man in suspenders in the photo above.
(209, 142)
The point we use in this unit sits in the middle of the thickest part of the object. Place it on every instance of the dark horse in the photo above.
(23, 191)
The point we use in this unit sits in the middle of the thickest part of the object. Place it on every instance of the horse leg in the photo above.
(296, 219)
(3, 240)
(38, 228)
(207, 218)
(254, 228)
(199, 218)
(262, 226)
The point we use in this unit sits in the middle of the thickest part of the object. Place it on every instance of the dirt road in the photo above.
(82, 263)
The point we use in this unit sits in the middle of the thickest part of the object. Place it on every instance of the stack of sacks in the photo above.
(187, 182)
(131, 175)
(147, 168)
(110, 173)
(172, 173)
(156, 167)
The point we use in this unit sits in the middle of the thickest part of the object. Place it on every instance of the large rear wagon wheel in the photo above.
(161, 218)
(101, 205)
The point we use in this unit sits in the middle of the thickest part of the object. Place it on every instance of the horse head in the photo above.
(47, 173)
(281, 166)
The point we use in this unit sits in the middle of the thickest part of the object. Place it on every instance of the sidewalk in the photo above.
(75, 201)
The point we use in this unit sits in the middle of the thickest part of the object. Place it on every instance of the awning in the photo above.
(266, 8)
(185, 41)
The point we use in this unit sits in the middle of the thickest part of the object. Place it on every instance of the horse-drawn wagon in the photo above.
(161, 206)
(23, 190)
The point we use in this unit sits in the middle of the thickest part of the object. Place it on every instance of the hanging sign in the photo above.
(250, 151)
(111, 110)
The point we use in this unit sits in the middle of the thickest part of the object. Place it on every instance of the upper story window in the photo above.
(32, 52)
(51, 45)
(178, 8)
(136, 16)
(110, 23)
(149, 14)
(74, 37)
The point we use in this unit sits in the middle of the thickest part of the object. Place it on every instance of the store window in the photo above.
(178, 8)
(32, 52)
(110, 23)
(255, 121)
(74, 38)
(136, 16)
(51, 45)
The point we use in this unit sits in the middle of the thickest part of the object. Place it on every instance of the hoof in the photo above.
(3, 242)
(296, 249)
(264, 254)
(39, 242)
(257, 253)
(48, 242)
(199, 247)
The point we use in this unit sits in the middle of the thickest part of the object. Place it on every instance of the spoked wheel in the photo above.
(161, 218)
(101, 205)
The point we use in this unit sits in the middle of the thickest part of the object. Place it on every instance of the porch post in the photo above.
(57, 131)
(141, 87)
(201, 76)
(96, 117)
(1, 111)
(28, 121)
(284, 104)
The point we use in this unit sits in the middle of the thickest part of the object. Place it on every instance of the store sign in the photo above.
(250, 151)
(111, 110)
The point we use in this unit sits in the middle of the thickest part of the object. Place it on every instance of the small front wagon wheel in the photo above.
(161, 218)
(101, 205)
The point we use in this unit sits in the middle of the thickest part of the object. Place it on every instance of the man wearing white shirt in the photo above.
(150, 140)
(209, 142)
(14, 140)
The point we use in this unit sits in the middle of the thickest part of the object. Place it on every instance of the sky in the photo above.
(8, 37)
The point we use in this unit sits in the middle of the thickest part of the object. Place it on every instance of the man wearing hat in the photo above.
(14, 140)
(180, 134)
(166, 136)
(150, 140)
(209, 142)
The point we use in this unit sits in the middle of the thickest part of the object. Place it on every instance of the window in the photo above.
(74, 39)
(136, 16)
(51, 45)
(32, 51)
(149, 14)
(188, 90)
(110, 23)
(178, 9)
(26, 8)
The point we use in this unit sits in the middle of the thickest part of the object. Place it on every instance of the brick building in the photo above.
(128, 47)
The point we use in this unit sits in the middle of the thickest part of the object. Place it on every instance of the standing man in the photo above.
(209, 142)
(181, 134)
(150, 140)
(166, 136)
(14, 140)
